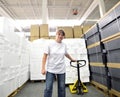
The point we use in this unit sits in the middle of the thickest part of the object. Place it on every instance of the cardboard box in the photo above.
(86, 27)
(35, 30)
(32, 38)
(44, 30)
(68, 31)
(77, 30)
(45, 37)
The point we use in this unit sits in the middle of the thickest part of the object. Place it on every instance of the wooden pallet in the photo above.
(111, 93)
(22, 86)
(100, 87)
(114, 93)
(16, 91)
(13, 93)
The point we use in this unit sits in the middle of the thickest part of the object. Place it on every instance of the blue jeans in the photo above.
(49, 84)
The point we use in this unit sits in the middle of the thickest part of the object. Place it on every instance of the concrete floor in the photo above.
(36, 89)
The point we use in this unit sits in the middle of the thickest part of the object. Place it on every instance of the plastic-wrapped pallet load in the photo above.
(1, 49)
(5, 78)
(36, 54)
(11, 67)
(1, 90)
(24, 61)
(3, 71)
(77, 49)
(7, 28)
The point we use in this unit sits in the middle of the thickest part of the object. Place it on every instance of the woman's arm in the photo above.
(43, 71)
(69, 57)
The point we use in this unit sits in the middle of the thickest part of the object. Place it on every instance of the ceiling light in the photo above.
(75, 11)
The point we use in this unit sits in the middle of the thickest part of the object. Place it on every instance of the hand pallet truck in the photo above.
(78, 87)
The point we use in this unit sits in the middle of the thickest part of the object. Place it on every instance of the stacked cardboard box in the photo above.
(34, 32)
(77, 31)
(44, 33)
(68, 31)
(86, 28)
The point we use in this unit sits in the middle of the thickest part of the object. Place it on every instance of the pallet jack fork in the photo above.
(78, 87)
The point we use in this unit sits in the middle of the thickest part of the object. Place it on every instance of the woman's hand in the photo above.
(43, 71)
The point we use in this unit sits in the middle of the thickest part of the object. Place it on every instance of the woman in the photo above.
(54, 59)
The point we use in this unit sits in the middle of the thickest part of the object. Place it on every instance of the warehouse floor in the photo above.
(36, 89)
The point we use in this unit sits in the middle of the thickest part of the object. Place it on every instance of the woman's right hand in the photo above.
(43, 71)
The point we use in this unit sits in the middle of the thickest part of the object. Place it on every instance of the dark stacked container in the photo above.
(110, 35)
(97, 68)
(107, 33)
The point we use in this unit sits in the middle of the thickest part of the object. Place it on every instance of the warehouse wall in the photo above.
(103, 43)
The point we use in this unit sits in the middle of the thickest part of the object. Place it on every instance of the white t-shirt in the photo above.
(56, 61)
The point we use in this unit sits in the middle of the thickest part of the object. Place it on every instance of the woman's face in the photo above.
(59, 37)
